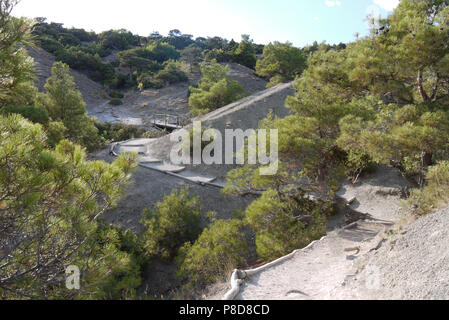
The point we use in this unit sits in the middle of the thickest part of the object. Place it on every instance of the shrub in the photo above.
(281, 62)
(34, 114)
(127, 263)
(218, 250)
(173, 222)
(116, 95)
(116, 102)
(219, 55)
(219, 95)
(358, 163)
(214, 90)
(279, 229)
(435, 194)
(172, 73)
(120, 132)
(147, 80)
(56, 131)
(161, 52)
(121, 81)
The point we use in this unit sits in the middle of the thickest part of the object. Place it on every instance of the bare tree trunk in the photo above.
(422, 92)
(426, 161)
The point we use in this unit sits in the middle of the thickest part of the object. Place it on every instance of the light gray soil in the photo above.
(315, 273)
(243, 114)
(93, 92)
(412, 263)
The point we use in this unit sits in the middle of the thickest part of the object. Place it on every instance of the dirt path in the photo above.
(316, 272)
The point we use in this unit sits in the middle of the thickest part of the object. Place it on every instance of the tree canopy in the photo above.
(281, 62)
(214, 90)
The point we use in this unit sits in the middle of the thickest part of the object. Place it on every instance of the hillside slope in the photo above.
(138, 106)
(412, 264)
(151, 186)
(93, 92)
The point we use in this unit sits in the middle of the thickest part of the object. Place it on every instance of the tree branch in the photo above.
(422, 92)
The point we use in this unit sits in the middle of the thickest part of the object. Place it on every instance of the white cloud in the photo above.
(388, 5)
(332, 3)
(316, 18)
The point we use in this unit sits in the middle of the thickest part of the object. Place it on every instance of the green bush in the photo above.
(115, 102)
(212, 257)
(219, 55)
(435, 194)
(358, 163)
(147, 80)
(118, 39)
(281, 62)
(127, 264)
(161, 52)
(172, 73)
(34, 114)
(214, 90)
(120, 132)
(121, 81)
(56, 131)
(173, 222)
(116, 95)
(279, 229)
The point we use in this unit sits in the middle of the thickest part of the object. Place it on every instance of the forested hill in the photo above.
(100, 55)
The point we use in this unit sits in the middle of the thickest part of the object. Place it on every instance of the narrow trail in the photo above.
(315, 272)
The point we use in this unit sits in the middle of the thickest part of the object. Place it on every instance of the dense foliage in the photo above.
(214, 90)
(172, 222)
(65, 104)
(218, 250)
(281, 62)
(50, 202)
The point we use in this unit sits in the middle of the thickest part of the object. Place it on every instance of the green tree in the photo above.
(245, 53)
(281, 62)
(281, 226)
(218, 250)
(161, 51)
(173, 72)
(16, 68)
(173, 222)
(405, 61)
(192, 55)
(50, 205)
(214, 90)
(64, 103)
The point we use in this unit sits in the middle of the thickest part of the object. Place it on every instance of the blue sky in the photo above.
(297, 21)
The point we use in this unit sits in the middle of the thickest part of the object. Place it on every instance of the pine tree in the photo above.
(16, 68)
(51, 202)
(281, 62)
(64, 103)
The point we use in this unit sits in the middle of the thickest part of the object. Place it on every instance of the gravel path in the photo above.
(411, 264)
(316, 272)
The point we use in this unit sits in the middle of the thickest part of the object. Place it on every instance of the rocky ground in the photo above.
(411, 262)
(389, 254)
